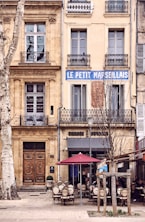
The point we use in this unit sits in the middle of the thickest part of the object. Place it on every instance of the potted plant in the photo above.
(49, 182)
(49, 177)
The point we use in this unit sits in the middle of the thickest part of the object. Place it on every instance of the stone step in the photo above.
(32, 188)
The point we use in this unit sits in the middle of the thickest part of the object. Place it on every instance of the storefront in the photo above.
(97, 147)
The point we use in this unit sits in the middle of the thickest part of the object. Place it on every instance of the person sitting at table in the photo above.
(137, 191)
(139, 183)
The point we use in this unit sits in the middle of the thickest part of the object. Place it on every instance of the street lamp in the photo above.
(90, 123)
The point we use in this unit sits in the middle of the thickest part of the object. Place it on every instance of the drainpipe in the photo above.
(131, 53)
(58, 141)
(131, 74)
(62, 53)
(61, 96)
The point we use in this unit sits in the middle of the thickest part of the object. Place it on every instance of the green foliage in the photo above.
(109, 213)
(119, 213)
(49, 177)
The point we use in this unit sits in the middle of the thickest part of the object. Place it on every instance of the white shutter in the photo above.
(140, 63)
(140, 120)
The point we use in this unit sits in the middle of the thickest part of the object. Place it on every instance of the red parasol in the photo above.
(79, 159)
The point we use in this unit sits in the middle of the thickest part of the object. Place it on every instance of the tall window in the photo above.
(79, 101)
(116, 55)
(35, 42)
(78, 42)
(35, 103)
(116, 102)
(116, 97)
(116, 42)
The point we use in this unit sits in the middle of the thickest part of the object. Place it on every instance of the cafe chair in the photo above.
(123, 196)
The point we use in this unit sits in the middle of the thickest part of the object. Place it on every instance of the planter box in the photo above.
(49, 184)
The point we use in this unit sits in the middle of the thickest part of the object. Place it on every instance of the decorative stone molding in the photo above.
(6, 20)
(52, 20)
(39, 73)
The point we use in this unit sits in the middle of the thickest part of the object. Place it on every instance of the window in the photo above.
(116, 42)
(35, 104)
(116, 97)
(116, 6)
(78, 42)
(78, 55)
(140, 58)
(116, 101)
(35, 42)
(79, 102)
(116, 47)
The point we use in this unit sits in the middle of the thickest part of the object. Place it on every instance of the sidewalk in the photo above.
(39, 207)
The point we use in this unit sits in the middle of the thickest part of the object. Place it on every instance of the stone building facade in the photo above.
(35, 75)
(140, 84)
(73, 78)
(99, 78)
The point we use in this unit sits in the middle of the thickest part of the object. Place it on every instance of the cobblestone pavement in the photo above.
(40, 207)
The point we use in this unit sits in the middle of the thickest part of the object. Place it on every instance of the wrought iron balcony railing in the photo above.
(34, 57)
(75, 6)
(116, 6)
(78, 60)
(116, 60)
(75, 116)
(33, 120)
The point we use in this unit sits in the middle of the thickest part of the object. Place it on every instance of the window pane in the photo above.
(30, 101)
(83, 34)
(39, 104)
(29, 28)
(30, 48)
(40, 88)
(30, 40)
(40, 40)
(29, 88)
(74, 34)
(41, 28)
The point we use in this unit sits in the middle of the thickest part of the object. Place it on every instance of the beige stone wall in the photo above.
(97, 25)
(31, 135)
(48, 12)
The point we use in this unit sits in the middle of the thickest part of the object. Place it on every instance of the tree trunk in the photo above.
(9, 190)
(8, 178)
(113, 189)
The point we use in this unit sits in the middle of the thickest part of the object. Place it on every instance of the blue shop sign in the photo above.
(97, 75)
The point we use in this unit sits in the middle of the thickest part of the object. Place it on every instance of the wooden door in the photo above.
(34, 167)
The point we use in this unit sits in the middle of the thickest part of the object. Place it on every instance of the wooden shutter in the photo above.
(140, 63)
(97, 94)
(140, 119)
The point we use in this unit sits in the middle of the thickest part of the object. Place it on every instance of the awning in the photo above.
(84, 144)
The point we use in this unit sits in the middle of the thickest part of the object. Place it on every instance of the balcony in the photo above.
(76, 116)
(116, 60)
(116, 7)
(34, 57)
(33, 120)
(79, 7)
(78, 60)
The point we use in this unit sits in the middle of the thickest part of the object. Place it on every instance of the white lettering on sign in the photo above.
(97, 75)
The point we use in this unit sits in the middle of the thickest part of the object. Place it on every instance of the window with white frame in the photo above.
(116, 48)
(116, 42)
(116, 5)
(78, 55)
(35, 42)
(78, 42)
(34, 103)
